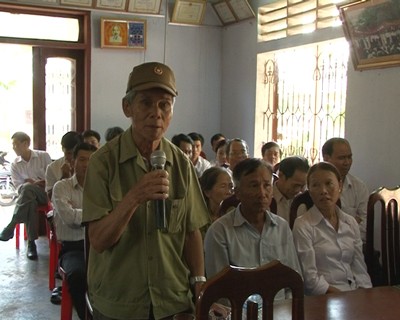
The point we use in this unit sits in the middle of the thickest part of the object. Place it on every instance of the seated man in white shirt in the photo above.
(250, 235)
(355, 194)
(28, 175)
(62, 168)
(292, 180)
(200, 164)
(67, 202)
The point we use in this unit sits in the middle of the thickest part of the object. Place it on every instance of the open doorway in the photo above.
(44, 84)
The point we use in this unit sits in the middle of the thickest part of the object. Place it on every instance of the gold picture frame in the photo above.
(189, 11)
(80, 3)
(224, 13)
(123, 34)
(241, 9)
(145, 6)
(373, 30)
(119, 5)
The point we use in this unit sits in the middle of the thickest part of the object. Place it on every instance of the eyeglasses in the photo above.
(238, 154)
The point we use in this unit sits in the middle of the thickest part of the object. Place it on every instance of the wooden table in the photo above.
(379, 303)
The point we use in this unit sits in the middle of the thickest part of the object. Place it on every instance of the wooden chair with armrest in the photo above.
(389, 246)
(237, 284)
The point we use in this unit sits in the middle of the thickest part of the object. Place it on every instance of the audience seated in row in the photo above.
(67, 202)
(354, 195)
(250, 235)
(216, 184)
(292, 180)
(327, 239)
(28, 175)
(112, 132)
(200, 164)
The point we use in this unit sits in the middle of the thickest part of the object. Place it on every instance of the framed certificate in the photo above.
(145, 6)
(224, 12)
(81, 3)
(189, 11)
(241, 9)
(111, 4)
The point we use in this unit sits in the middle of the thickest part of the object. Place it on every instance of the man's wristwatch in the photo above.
(196, 279)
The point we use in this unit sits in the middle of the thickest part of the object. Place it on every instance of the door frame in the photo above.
(80, 51)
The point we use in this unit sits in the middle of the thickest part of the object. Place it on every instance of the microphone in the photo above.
(157, 161)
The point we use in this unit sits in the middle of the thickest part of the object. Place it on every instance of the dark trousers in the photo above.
(72, 260)
(29, 198)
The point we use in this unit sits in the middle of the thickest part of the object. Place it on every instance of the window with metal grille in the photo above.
(283, 18)
(301, 97)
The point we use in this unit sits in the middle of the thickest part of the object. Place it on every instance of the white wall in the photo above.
(194, 53)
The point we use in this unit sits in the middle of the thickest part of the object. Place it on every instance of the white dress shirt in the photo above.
(282, 204)
(354, 201)
(201, 166)
(67, 203)
(232, 240)
(328, 257)
(54, 173)
(34, 168)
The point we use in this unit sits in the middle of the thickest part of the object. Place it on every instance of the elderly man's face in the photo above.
(151, 113)
(255, 191)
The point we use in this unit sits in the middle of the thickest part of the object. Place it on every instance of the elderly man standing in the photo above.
(355, 194)
(135, 270)
(28, 175)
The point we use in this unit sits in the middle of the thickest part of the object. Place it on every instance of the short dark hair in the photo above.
(178, 138)
(91, 133)
(112, 132)
(83, 146)
(216, 136)
(21, 137)
(197, 137)
(70, 140)
(326, 166)
(327, 148)
(221, 144)
(228, 146)
(248, 166)
(269, 145)
(289, 165)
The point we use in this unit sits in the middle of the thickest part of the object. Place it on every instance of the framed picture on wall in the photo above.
(373, 31)
(189, 11)
(224, 12)
(241, 9)
(111, 4)
(145, 6)
(125, 34)
(82, 3)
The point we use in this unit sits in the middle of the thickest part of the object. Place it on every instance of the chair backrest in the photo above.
(389, 248)
(89, 308)
(303, 198)
(237, 284)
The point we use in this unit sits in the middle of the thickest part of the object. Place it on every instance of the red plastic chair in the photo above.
(55, 248)
(43, 209)
(66, 300)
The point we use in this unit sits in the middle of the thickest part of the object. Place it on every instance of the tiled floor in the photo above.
(24, 291)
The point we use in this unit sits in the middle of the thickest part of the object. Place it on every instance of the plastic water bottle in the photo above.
(256, 298)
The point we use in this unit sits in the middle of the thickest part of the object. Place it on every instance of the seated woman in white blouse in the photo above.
(327, 240)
